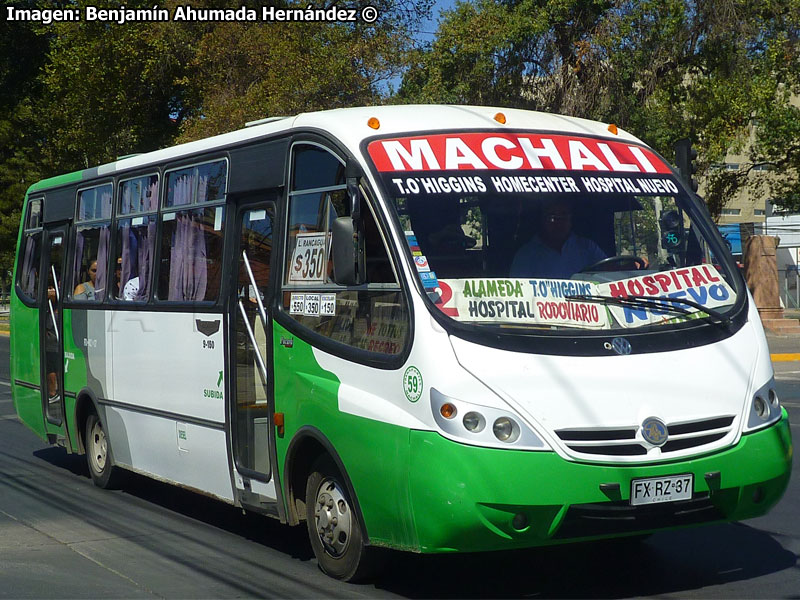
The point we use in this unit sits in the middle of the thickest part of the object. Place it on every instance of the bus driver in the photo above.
(555, 252)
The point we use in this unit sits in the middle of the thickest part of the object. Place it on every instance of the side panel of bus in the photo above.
(159, 387)
(339, 350)
(373, 453)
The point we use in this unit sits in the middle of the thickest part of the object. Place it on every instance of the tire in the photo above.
(98, 455)
(334, 528)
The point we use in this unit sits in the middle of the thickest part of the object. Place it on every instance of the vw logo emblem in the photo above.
(619, 345)
(654, 431)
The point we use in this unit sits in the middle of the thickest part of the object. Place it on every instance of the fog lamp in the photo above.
(519, 522)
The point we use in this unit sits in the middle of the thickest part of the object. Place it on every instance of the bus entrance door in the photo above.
(51, 332)
(251, 414)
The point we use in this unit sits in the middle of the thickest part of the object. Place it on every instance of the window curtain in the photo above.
(202, 188)
(125, 204)
(105, 203)
(129, 256)
(138, 245)
(101, 280)
(146, 257)
(182, 193)
(76, 271)
(188, 273)
(151, 196)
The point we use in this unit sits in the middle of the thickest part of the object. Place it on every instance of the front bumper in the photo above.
(466, 498)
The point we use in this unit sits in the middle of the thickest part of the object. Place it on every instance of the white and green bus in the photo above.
(361, 319)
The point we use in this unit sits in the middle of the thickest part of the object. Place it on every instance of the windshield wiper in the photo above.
(653, 303)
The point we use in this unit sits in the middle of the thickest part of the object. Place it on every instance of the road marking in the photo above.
(787, 357)
(5, 383)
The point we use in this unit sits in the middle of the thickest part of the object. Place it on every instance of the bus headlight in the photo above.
(764, 408)
(508, 430)
(474, 421)
(761, 408)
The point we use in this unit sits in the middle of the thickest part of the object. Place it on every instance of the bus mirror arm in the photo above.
(354, 194)
(345, 246)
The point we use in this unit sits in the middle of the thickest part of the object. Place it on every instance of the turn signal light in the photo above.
(613, 129)
(278, 420)
(374, 123)
(448, 410)
(500, 118)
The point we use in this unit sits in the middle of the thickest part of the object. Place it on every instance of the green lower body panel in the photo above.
(468, 498)
(28, 405)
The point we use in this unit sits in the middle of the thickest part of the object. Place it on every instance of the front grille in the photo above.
(609, 518)
(623, 441)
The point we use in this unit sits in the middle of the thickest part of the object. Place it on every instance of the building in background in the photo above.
(748, 213)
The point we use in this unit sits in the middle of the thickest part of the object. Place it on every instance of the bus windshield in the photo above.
(552, 232)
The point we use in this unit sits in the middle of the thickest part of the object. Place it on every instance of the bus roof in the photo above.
(350, 126)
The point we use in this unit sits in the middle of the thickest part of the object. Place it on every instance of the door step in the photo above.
(56, 440)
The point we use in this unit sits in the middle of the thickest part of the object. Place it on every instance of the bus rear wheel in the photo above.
(98, 454)
(335, 531)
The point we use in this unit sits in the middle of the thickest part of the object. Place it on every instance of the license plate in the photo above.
(661, 489)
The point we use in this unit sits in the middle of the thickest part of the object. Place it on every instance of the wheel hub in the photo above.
(98, 447)
(332, 518)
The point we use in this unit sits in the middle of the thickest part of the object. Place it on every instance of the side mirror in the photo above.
(345, 247)
(353, 174)
(346, 241)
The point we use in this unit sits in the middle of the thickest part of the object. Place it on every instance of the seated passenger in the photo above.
(86, 290)
(131, 289)
(556, 252)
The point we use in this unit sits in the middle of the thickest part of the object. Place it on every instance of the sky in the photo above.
(429, 28)
(425, 34)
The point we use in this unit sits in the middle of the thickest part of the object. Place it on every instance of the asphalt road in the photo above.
(61, 537)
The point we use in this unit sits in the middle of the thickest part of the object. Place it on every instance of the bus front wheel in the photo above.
(334, 528)
(98, 454)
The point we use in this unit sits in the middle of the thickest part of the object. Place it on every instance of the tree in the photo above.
(22, 52)
(112, 90)
(662, 69)
(75, 95)
(247, 71)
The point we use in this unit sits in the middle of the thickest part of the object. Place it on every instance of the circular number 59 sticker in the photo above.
(412, 384)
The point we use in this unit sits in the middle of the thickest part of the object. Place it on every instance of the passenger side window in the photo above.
(137, 208)
(28, 270)
(193, 219)
(372, 316)
(90, 278)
